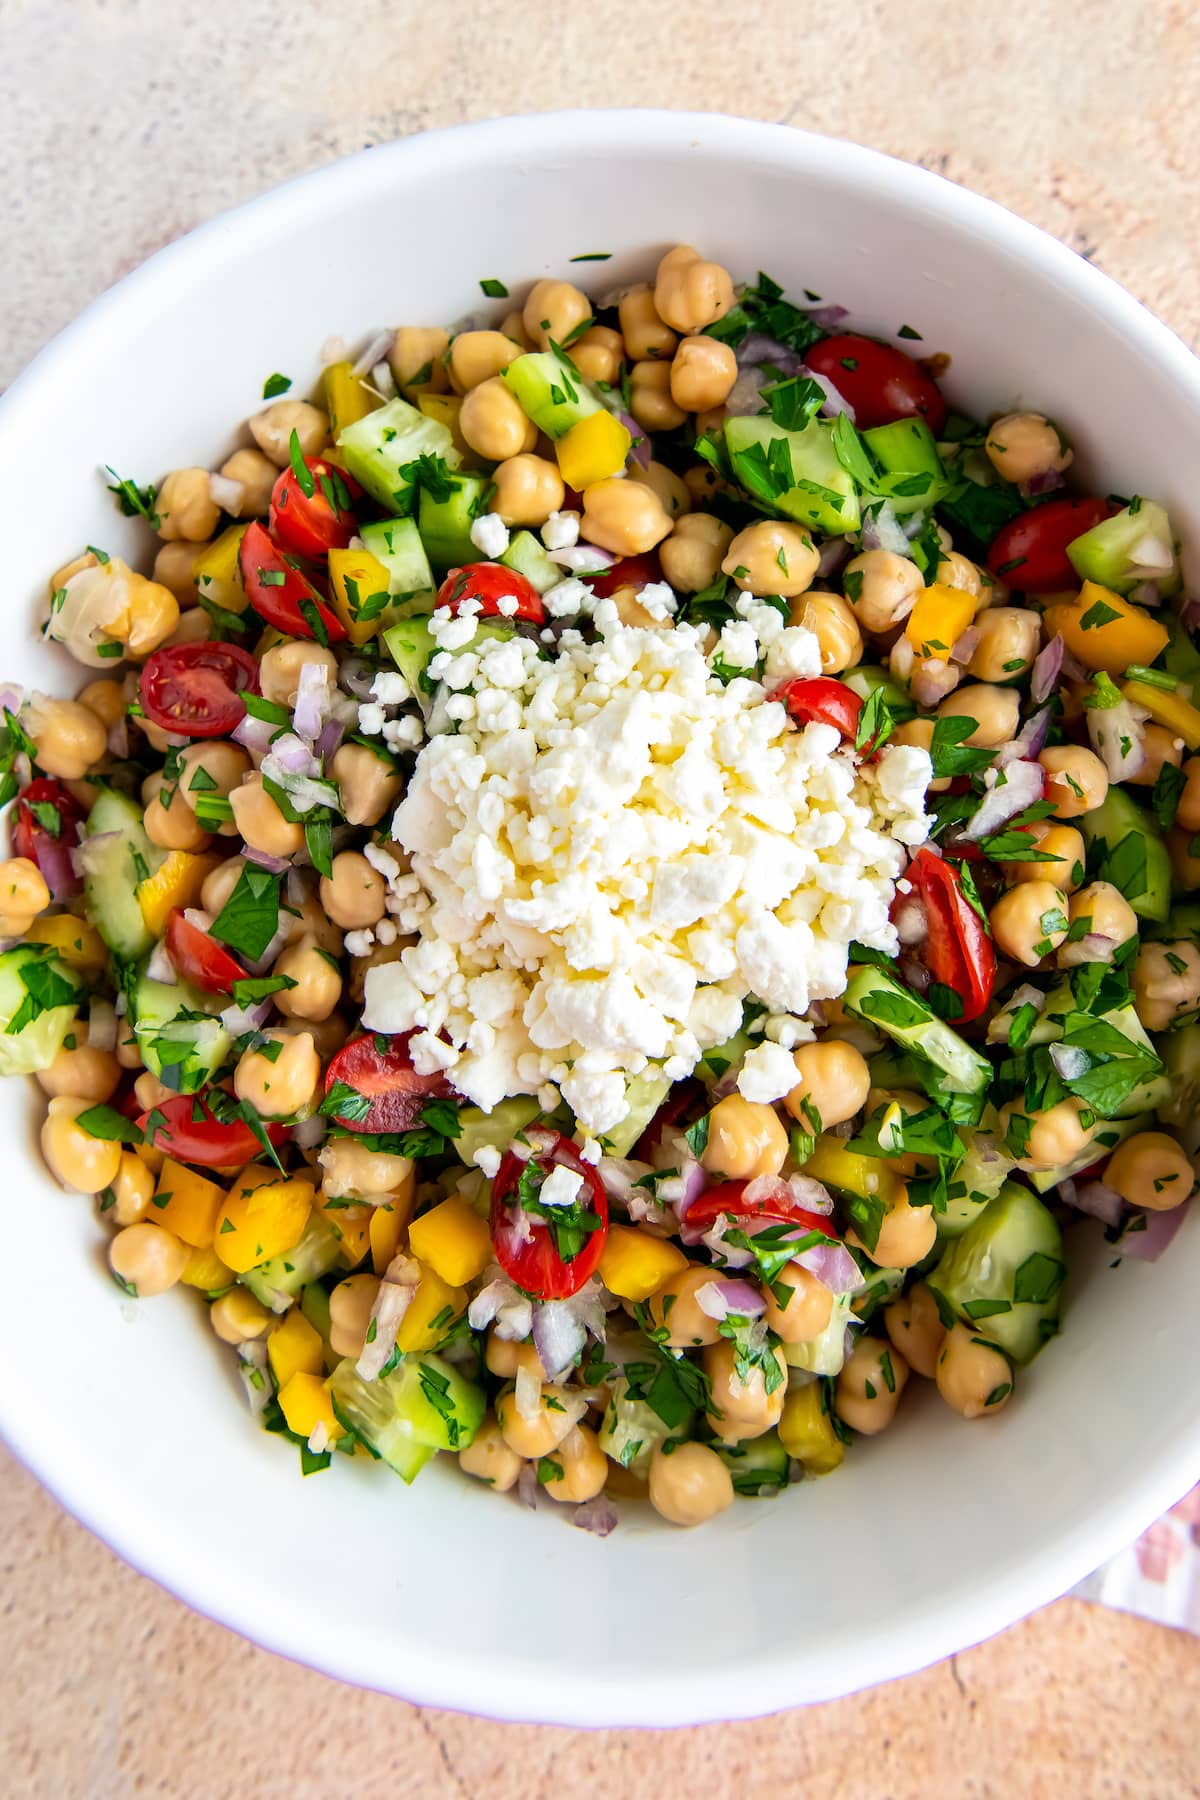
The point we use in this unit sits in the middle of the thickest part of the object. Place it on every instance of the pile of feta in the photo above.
(613, 848)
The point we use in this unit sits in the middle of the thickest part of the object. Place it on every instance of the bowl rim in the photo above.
(426, 1672)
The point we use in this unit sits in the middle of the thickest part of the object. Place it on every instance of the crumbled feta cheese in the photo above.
(430, 1054)
(489, 534)
(403, 734)
(358, 943)
(561, 530)
(768, 1072)
(567, 597)
(487, 1158)
(390, 688)
(508, 605)
(370, 719)
(737, 646)
(590, 1151)
(561, 1186)
(658, 599)
(794, 655)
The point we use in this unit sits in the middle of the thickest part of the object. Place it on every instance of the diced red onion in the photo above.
(933, 680)
(89, 856)
(1029, 741)
(391, 1303)
(240, 1019)
(828, 317)
(580, 557)
(618, 1175)
(529, 1488)
(1098, 947)
(527, 1394)
(1146, 593)
(102, 1025)
(160, 967)
(1118, 737)
(911, 920)
(334, 349)
(501, 1302)
(118, 736)
(227, 493)
(357, 676)
(264, 859)
(812, 1195)
(734, 1256)
(694, 1180)
(332, 733)
(1072, 668)
(717, 1299)
(1023, 786)
(377, 350)
(835, 553)
(12, 698)
(833, 1264)
(310, 1132)
(599, 1516)
(291, 755)
(258, 965)
(1189, 615)
(1047, 667)
(744, 399)
(756, 347)
(1094, 1198)
(964, 648)
(253, 734)
(383, 381)
(1151, 557)
(1070, 1061)
(255, 1373)
(1148, 1245)
(639, 450)
(558, 1336)
(1048, 482)
(313, 694)
(835, 403)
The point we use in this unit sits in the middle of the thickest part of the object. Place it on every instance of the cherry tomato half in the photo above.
(527, 1244)
(1030, 552)
(627, 571)
(46, 832)
(194, 690)
(186, 1129)
(489, 583)
(381, 1070)
(281, 593)
(199, 958)
(314, 516)
(682, 1099)
(822, 701)
(880, 383)
(729, 1197)
(957, 950)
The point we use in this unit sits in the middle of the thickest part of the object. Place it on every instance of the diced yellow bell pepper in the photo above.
(356, 581)
(386, 1226)
(938, 620)
(431, 1312)
(351, 1225)
(176, 882)
(836, 1167)
(305, 1403)
(1166, 708)
(294, 1347)
(445, 408)
(78, 944)
(257, 1223)
(592, 450)
(205, 1270)
(347, 397)
(452, 1240)
(807, 1433)
(634, 1264)
(217, 571)
(187, 1204)
(151, 1156)
(1103, 630)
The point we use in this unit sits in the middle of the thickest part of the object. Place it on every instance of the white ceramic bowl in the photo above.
(928, 1539)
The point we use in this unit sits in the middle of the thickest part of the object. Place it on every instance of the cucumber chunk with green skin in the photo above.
(1181, 657)
(631, 1430)
(551, 391)
(796, 474)
(823, 1355)
(396, 543)
(864, 681)
(913, 475)
(1181, 923)
(1122, 551)
(495, 1130)
(376, 449)
(421, 1406)
(410, 643)
(179, 1036)
(1125, 847)
(644, 1095)
(528, 558)
(277, 1281)
(874, 996)
(1004, 1275)
(880, 1287)
(314, 1304)
(39, 1003)
(1110, 1133)
(1180, 1050)
(115, 864)
(759, 1466)
(976, 1181)
(446, 524)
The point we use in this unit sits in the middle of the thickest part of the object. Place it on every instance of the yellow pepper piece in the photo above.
(385, 1226)
(78, 944)
(306, 1402)
(347, 397)
(356, 581)
(431, 1312)
(217, 571)
(176, 882)
(807, 1433)
(1169, 709)
(187, 1204)
(634, 1264)
(836, 1167)
(592, 450)
(294, 1347)
(445, 408)
(351, 1225)
(256, 1223)
(206, 1271)
(938, 620)
(452, 1240)
(1103, 630)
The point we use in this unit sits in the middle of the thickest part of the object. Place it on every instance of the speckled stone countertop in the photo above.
(124, 122)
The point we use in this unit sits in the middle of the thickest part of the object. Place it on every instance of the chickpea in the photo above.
(23, 895)
(1029, 921)
(1166, 983)
(742, 1409)
(353, 894)
(238, 1318)
(772, 558)
(169, 820)
(131, 1188)
(690, 1484)
(280, 668)
(289, 1084)
(75, 1159)
(107, 699)
(194, 627)
(642, 329)
(1187, 813)
(598, 354)
(650, 399)
(906, 1234)
(691, 556)
(150, 617)
(89, 1074)
(1106, 913)
(690, 293)
(489, 1458)
(477, 356)
(673, 1307)
(1185, 867)
(504, 1357)
(702, 482)
(129, 1052)
(1009, 638)
(915, 1328)
(708, 423)
(872, 1379)
(833, 1085)
(350, 1306)
(539, 1436)
(1065, 845)
(623, 516)
(493, 424)
(960, 572)
(260, 823)
(584, 1467)
(832, 622)
(972, 1376)
(1053, 1137)
(69, 737)
(220, 883)
(745, 1139)
(995, 710)
(513, 326)
(272, 430)
(1161, 747)
(368, 785)
(671, 489)
(376, 957)
(212, 768)
(1023, 445)
(1151, 1169)
(308, 920)
(528, 490)
(256, 475)
(150, 1091)
(807, 1310)
(418, 359)
(327, 1034)
(318, 980)
(554, 309)
(147, 1259)
(631, 612)
(702, 374)
(353, 1171)
(173, 569)
(882, 588)
(1076, 780)
(186, 508)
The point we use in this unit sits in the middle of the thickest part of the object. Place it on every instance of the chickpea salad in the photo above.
(626, 873)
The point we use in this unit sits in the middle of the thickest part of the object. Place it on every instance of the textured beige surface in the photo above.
(122, 123)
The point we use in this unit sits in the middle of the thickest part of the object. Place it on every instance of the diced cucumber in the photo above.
(1004, 1275)
(496, 1129)
(1126, 549)
(977, 1180)
(1180, 1051)
(823, 1355)
(1181, 924)
(314, 1304)
(631, 1430)
(1181, 657)
(181, 1040)
(644, 1093)
(875, 996)
(422, 1406)
(551, 391)
(818, 492)
(279, 1280)
(410, 644)
(114, 869)
(446, 524)
(865, 680)
(880, 1287)
(1126, 848)
(758, 1466)
(396, 543)
(377, 448)
(913, 476)
(720, 1058)
(1110, 1133)
(528, 558)
(39, 1001)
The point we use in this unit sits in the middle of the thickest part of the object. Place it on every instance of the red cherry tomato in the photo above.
(682, 1099)
(527, 1244)
(194, 690)
(489, 583)
(822, 701)
(957, 950)
(186, 1129)
(1030, 552)
(199, 958)
(880, 383)
(314, 517)
(46, 832)
(627, 571)
(281, 593)
(386, 1077)
(729, 1197)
